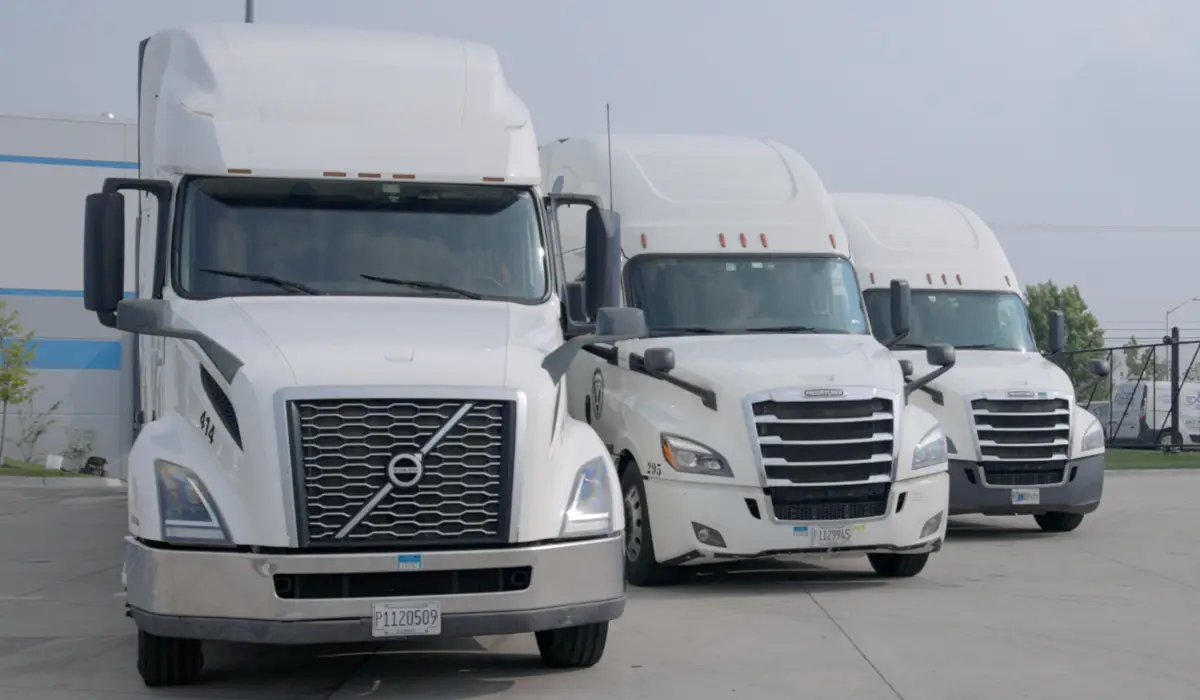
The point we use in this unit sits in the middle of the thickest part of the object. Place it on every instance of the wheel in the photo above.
(898, 565)
(573, 647)
(1058, 522)
(167, 661)
(641, 568)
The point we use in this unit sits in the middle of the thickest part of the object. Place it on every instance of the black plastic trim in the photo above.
(222, 406)
(707, 396)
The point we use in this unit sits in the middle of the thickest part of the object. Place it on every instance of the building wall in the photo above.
(47, 167)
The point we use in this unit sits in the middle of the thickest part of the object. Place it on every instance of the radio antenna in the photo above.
(608, 132)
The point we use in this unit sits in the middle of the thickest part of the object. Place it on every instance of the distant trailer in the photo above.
(48, 165)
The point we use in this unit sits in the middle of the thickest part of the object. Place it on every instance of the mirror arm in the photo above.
(921, 382)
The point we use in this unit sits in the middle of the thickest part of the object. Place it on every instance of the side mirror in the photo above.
(1058, 332)
(576, 303)
(940, 355)
(104, 255)
(901, 298)
(602, 279)
(620, 321)
(906, 368)
(659, 360)
(1100, 368)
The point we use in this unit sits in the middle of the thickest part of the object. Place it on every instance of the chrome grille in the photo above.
(825, 442)
(1023, 442)
(360, 484)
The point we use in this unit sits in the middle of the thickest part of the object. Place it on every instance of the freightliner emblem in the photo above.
(823, 393)
(405, 470)
(1020, 394)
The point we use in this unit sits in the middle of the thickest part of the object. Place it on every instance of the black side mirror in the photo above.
(1100, 368)
(906, 368)
(576, 303)
(620, 321)
(104, 255)
(602, 277)
(659, 360)
(940, 355)
(901, 299)
(1058, 332)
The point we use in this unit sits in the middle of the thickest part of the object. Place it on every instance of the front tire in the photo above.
(1058, 521)
(641, 567)
(898, 565)
(573, 647)
(168, 661)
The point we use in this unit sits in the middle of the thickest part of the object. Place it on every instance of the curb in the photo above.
(61, 482)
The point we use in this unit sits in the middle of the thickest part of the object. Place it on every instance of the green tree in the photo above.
(1083, 333)
(16, 355)
(1143, 362)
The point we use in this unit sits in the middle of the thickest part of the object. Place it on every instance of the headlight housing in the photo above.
(1093, 439)
(589, 510)
(691, 457)
(930, 450)
(187, 511)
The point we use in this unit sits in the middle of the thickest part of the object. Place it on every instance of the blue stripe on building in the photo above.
(75, 354)
(72, 162)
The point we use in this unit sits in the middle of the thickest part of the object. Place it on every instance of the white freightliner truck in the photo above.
(760, 417)
(1018, 441)
(352, 421)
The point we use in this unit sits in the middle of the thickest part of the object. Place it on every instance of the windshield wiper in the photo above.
(792, 329)
(687, 330)
(265, 279)
(909, 346)
(977, 346)
(431, 286)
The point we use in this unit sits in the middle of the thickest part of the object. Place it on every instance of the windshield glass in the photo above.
(746, 293)
(968, 320)
(242, 236)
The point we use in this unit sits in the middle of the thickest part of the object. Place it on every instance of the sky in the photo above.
(1068, 125)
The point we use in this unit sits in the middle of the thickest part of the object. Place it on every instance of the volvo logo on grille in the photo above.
(406, 470)
(823, 393)
(1020, 394)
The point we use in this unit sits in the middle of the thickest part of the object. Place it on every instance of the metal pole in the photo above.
(1176, 434)
(249, 11)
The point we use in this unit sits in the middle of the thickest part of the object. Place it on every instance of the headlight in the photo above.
(690, 457)
(589, 512)
(930, 450)
(1093, 439)
(187, 510)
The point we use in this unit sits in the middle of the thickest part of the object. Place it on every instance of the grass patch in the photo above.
(15, 467)
(1151, 459)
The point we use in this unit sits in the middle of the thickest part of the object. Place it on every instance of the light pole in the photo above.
(249, 11)
(1173, 309)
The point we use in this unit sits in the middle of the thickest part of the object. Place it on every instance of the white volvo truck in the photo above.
(352, 423)
(1018, 441)
(760, 417)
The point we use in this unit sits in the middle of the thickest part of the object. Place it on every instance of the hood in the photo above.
(978, 371)
(739, 365)
(381, 340)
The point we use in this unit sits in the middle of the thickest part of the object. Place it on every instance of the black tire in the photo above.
(168, 661)
(641, 569)
(1058, 521)
(898, 565)
(573, 647)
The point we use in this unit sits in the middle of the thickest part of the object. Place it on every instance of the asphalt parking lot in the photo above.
(1109, 611)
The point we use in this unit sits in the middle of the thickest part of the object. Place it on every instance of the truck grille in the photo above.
(350, 495)
(1023, 442)
(811, 442)
(830, 502)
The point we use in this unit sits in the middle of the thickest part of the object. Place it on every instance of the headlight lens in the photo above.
(930, 450)
(187, 510)
(690, 457)
(1093, 439)
(589, 512)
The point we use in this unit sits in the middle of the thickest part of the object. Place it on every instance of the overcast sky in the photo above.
(1069, 125)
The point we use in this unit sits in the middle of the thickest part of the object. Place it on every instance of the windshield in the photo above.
(745, 293)
(242, 236)
(966, 320)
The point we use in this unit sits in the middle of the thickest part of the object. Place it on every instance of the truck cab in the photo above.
(1019, 442)
(351, 344)
(759, 417)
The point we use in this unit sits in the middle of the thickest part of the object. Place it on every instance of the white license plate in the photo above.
(407, 619)
(1026, 497)
(823, 537)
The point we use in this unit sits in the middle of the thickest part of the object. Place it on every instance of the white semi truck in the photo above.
(760, 417)
(1018, 441)
(351, 350)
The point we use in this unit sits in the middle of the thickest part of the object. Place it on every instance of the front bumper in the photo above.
(674, 506)
(253, 597)
(1080, 492)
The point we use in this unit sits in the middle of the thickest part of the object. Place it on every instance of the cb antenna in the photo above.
(608, 132)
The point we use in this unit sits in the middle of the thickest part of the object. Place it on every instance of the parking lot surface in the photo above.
(1109, 611)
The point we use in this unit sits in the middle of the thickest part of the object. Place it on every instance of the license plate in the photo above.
(1026, 497)
(823, 537)
(408, 619)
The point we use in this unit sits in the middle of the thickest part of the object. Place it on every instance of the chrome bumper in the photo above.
(232, 596)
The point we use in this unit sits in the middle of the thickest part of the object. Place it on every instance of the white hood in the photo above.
(978, 371)
(739, 365)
